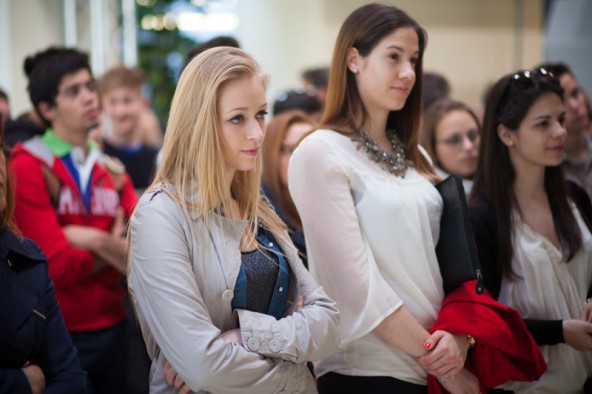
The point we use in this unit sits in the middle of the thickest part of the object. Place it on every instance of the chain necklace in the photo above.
(395, 162)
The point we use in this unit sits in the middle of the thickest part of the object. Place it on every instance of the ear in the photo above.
(353, 60)
(46, 110)
(505, 134)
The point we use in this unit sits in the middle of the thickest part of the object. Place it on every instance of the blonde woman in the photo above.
(213, 274)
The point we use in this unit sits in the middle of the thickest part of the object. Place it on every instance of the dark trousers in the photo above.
(138, 362)
(103, 354)
(336, 383)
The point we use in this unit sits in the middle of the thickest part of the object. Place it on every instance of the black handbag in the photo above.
(456, 249)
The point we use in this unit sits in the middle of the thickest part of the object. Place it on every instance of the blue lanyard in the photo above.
(67, 160)
(279, 298)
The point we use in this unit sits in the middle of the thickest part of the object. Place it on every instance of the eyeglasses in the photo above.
(456, 140)
(528, 79)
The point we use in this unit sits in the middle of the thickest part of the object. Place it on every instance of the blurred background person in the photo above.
(316, 80)
(120, 89)
(37, 354)
(68, 201)
(298, 99)
(577, 161)
(450, 134)
(434, 87)
(283, 134)
(4, 106)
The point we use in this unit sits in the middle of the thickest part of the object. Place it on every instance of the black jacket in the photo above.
(32, 329)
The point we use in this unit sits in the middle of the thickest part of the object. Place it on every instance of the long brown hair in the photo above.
(508, 104)
(272, 153)
(363, 30)
(6, 219)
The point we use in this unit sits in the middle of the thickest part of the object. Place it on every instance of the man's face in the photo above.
(124, 106)
(76, 108)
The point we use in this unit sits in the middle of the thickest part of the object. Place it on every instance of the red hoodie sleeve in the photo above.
(36, 218)
(128, 197)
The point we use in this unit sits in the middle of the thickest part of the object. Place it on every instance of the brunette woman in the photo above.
(532, 228)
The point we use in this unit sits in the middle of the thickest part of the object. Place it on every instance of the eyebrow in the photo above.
(400, 49)
(243, 108)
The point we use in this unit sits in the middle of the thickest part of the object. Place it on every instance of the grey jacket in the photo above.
(182, 287)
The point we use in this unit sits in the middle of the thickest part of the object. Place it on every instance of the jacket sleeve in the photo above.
(172, 311)
(307, 335)
(57, 356)
(37, 219)
(14, 381)
(485, 230)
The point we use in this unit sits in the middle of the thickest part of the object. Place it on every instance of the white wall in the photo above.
(472, 42)
(34, 25)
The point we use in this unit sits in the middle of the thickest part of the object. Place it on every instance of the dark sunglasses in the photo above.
(529, 79)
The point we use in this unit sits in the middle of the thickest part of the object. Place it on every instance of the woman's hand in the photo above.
(171, 377)
(449, 354)
(36, 378)
(578, 334)
(463, 383)
(587, 312)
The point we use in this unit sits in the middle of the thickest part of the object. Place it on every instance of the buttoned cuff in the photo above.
(261, 334)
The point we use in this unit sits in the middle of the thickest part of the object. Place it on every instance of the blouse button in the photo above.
(270, 244)
(281, 289)
(227, 295)
(253, 344)
(274, 345)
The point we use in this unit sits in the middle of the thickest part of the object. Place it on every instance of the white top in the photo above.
(553, 290)
(370, 240)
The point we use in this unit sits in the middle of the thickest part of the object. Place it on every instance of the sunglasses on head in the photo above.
(529, 79)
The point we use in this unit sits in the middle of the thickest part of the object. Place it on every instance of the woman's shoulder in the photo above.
(157, 204)
(23, 249)
(325, 143)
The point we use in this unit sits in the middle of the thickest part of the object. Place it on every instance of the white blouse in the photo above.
(551, 289)
(370, 240)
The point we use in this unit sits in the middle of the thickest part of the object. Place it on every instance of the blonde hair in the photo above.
(193, 153)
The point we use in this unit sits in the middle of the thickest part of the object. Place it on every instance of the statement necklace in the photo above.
(395, 162)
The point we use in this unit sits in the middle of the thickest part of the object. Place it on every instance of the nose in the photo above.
(560, 131)
(467, 143)
(256, 131)
(407, 70)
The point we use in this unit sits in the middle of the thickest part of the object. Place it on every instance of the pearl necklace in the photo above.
(396, 162)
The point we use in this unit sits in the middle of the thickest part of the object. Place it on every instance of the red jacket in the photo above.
(504, 350)
(88, 302)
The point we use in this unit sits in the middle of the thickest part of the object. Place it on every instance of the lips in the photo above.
(251, 152)
(92, 113)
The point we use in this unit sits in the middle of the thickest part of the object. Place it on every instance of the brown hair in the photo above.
(363, 30)
(432, 117)
(6, 219)
(121, 77)
(272, 152)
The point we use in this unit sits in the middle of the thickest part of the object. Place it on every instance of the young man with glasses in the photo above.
(69, 202)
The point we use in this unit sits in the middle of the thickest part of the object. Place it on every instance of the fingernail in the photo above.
(427, 345)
